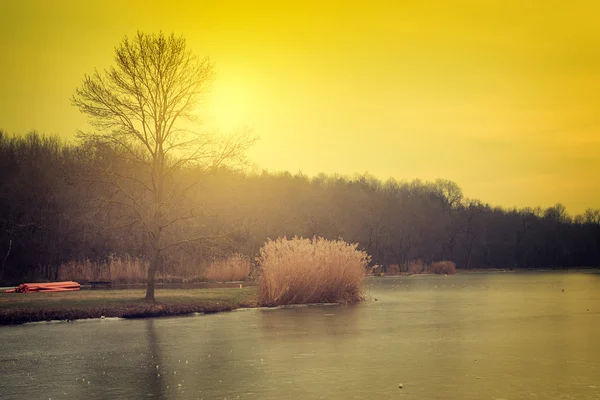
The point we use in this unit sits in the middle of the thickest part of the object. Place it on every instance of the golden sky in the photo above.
(502, 97)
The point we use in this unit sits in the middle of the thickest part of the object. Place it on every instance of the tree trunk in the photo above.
(158, 179)
(154, 260)
(2, 265)
(468, 255)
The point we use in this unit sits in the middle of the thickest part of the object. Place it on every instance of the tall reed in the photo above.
(124, 269)
(234, 268)
(416, 267)
(442, 267)
(300, 271)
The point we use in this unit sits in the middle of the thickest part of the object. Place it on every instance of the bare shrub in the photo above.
(442, 267)
(376, 269)
(300, 271)
(416, 267)
(393, 269)
(234, 268)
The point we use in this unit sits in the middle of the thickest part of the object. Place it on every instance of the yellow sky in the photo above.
(502, 97)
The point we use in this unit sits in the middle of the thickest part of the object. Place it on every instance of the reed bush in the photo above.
(301, 271)
(125, 269)
(83, 271)
(393, 269)
(234, 268)
(416, 267)
(442, 267)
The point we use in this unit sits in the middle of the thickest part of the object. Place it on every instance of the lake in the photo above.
(468, 336)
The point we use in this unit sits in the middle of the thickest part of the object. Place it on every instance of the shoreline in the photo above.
(20, 308)
(144, 310)
(21, 316)
(487, 271)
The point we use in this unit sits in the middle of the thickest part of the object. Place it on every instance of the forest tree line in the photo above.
(56, 205)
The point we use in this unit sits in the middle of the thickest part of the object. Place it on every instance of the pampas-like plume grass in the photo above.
(234, 268)
(302, 271)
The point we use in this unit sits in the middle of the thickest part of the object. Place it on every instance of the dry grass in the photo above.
(393, 269)
(128, 270)
(134, 270)
(301, 271)
(442, 267)
(234, 268)
(83, 271)
(117, 269)
(416, 267)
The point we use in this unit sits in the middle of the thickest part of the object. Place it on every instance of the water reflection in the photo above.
(153, 384)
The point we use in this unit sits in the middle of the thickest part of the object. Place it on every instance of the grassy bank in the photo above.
(18, 308)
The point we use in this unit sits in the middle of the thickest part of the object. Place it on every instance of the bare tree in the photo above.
(592, 216)
(138, 107)
(448, 192)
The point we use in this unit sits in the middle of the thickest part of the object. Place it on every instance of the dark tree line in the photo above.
(55, 207)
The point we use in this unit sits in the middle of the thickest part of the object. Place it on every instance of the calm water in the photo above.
(478, 336)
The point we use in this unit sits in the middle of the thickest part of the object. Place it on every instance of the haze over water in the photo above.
(469, 336)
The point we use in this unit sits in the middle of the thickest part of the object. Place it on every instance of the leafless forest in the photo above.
(58, 205)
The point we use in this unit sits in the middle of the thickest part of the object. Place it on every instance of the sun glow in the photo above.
(228, 104)
(499, 96)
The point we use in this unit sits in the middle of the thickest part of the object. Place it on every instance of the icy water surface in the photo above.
(471, 336)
